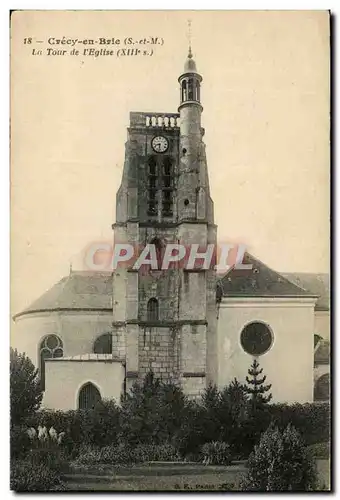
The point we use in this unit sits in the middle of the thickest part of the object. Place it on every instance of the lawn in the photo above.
(164, 477)
(150, 477)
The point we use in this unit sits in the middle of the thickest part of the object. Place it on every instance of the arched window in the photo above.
(321, 390)
(184, 90)
(256, 338)
(152, 310)
(103, 344)
(198, 87)
(88, 397)
(50, 347)
(190, 89)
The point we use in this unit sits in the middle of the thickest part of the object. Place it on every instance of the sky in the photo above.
(265, 95)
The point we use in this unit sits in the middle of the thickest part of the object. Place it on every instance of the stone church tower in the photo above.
(165, 320)
(93, 338)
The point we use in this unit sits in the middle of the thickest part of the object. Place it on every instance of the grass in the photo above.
(167, 477)
(155, 477)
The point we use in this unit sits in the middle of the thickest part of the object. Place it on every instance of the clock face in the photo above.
(159, 144)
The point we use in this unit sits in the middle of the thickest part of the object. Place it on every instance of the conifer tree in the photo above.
(151, 411)
(256, 387)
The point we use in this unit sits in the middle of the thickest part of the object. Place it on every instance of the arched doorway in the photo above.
(88, 397)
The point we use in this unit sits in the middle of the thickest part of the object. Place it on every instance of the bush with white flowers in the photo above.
(40, 467)
(42, 435)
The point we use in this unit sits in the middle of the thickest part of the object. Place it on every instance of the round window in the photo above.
(256, 339)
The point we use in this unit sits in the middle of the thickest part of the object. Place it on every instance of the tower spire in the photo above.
(190, 79)
(189, 39)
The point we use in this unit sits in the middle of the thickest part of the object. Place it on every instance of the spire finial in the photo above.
(189, 38)
(70, 267)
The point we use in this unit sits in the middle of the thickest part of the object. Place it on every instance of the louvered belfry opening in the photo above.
(160, 185)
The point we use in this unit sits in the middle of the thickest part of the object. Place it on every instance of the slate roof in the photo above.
(260, 281)
(314, 283)
(322, 353)
(81, 290)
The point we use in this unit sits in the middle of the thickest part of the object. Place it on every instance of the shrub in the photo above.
(152, 411)
(250, 431)
(216, 453)
(110, 455)
(105, 415)
(191, 434)
(87, 455)
(124, 455)
(28, 476)
(54, 459)
(156, 452)
(218, 416)
(233, 416)
(20, 442)
(312, 420)
(97, 427)
(25, 390)
(280, 462)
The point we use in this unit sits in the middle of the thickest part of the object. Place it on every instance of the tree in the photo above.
(210, 414)
(236, 395)
(233, 414)
(256, 387)
(258, 413)
(25, 390)
(152, 411)
(280, 462)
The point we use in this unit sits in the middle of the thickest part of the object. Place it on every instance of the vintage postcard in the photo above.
(170, 250)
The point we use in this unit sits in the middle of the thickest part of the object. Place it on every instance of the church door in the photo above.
(89, 396)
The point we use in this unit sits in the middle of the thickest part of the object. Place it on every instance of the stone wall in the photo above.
(158, 350)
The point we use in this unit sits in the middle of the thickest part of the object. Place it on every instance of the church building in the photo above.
(94, 334)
